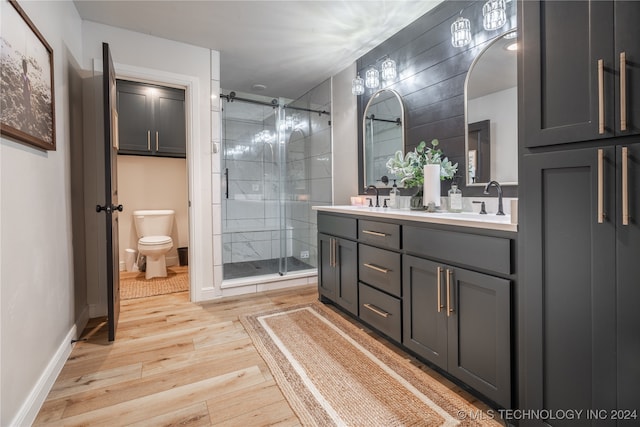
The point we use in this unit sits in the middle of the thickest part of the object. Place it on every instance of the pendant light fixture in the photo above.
(389, 71)
(461, 32)
(357, 85)
(372, 78)
(494, 14)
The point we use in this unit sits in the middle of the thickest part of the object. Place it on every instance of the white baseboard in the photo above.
(31, 406)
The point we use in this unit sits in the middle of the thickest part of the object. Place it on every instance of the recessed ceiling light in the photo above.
(258, 87)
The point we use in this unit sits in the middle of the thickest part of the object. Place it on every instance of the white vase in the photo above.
(431, 191)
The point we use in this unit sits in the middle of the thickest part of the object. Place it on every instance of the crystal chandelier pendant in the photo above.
(389, 71)
(372, 78)
(357, 85)
(494, 14)
(461, 32)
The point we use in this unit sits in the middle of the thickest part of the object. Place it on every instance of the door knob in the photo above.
(109, 209)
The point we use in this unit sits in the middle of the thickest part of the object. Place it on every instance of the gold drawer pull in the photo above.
(600, 96)
(625, 185)
(376, 310)
(623, 91)
(600, 203)
(375, 233)
(376, 268)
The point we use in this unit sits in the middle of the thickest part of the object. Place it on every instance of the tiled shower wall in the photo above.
(309, 169)
(250, 215)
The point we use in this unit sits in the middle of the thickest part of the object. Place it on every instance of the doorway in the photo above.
(152, 175)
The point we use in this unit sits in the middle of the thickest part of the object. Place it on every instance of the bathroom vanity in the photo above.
(439, 284)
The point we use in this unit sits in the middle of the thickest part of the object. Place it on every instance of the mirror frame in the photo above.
(364, 129)
(466, 114)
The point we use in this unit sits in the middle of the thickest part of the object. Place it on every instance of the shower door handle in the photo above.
(226, 185)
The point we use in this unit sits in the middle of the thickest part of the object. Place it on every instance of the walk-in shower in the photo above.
(276, 165)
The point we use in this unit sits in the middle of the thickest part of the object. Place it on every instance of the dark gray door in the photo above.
(479, 332)
(627, 54)
(326, 269)
(628, 290)
(424, 309)
(135, 109)
(111, 206)
(569, 281)
(563, 44)
(170, 126)
(346, 256)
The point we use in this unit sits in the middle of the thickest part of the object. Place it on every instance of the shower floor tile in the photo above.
(237, 270)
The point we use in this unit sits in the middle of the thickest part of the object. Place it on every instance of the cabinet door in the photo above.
(326, 269)
(479, 333)
(169, 121)
(568, 282)
(627, 34)
(347, 275)
(135, 107)
(628, 290)
(562, 44)
(423, 311)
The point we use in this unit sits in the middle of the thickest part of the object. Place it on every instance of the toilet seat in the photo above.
(154, 240)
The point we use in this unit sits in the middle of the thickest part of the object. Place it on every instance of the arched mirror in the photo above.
(491, 113)
(383, 131)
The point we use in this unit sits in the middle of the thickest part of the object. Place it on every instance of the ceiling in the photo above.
(287, 46)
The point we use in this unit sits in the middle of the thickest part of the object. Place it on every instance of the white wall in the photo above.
(504, 131)
(37, 295)
(344, 125)
(146, 182)
(142, 57)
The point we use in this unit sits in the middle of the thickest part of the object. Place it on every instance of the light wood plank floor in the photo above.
(176, 363)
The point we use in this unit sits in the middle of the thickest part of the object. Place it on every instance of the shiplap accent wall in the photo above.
(431, 79)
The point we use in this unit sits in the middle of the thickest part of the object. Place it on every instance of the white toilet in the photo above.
(154, 229)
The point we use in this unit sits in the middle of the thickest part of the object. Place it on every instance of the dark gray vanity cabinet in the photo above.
(151, 120)
(460, 320)
(580, 314)
(338, 261)
(443, 293)
(581, 70)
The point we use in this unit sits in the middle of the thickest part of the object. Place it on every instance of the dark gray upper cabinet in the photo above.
(575, 86)
(151, 120)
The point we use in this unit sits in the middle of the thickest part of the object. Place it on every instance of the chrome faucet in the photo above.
(497, 185)
(366, 190)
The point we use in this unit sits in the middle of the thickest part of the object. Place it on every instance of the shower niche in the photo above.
(276, 164)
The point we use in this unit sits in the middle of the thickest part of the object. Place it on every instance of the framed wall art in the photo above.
(27, 110)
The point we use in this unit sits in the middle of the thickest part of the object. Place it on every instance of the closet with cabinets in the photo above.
(579, 114)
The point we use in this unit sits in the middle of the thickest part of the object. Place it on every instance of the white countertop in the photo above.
(462, 219)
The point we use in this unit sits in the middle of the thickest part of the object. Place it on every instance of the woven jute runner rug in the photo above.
(333, 373)
(137, 286)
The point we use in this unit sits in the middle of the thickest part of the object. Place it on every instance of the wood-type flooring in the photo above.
(176, 363)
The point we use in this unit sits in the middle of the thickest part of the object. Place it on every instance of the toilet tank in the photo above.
(153, 222)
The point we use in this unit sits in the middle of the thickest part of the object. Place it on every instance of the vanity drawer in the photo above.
(381, 311)
(380, 268)
(338, 226)
(379, 234)
(484, 252)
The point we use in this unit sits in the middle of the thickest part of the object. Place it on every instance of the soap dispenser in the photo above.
(394, 193)
(455, 198)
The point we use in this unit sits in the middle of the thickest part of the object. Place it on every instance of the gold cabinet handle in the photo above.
(449, 308)
(374, 233)
(148, 140)
(376, 310)
(334, 258)
(600, 96)
(600, 185)
(330, 251)
(376, 268)
(625, 186)
(623, 91)
(156, 140)
(439, 285)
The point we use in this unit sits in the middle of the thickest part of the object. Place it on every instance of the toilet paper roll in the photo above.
(431, 192)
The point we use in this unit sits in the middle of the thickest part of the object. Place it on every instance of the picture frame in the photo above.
(27, 110)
